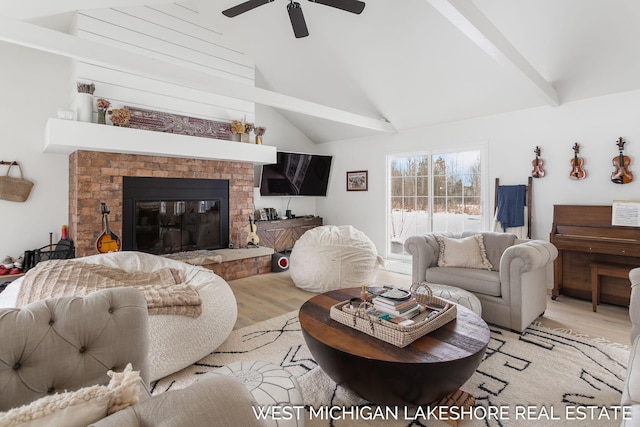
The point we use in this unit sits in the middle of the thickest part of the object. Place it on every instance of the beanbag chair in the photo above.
(333, 257)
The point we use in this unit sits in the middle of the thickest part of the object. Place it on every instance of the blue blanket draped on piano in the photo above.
(511, 202)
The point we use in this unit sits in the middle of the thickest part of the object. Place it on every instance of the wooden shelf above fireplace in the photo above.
(67, 136)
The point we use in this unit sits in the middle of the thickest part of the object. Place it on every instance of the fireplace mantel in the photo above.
(67, 136)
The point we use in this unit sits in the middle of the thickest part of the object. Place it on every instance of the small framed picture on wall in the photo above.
(358, 181)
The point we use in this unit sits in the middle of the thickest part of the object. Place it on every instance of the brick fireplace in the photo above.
(96, 177)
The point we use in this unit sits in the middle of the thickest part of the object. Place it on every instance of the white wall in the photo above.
(33, 86)
(595, 124)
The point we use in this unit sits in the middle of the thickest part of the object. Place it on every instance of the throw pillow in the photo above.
(496, 244)
(78, 408)
(468, 252)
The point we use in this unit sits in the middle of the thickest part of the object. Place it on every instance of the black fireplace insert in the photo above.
(168, 215)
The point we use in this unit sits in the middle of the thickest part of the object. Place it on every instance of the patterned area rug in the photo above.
(541, 377)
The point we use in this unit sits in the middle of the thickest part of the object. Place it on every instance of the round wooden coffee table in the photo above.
(423, 372)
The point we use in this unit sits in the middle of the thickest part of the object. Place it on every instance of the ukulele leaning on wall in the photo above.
(108, 240)
(252, 237)
(576, 164)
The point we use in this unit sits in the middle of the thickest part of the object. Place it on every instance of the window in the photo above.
(433, 192)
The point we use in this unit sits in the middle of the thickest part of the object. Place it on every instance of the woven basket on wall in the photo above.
(14, 189)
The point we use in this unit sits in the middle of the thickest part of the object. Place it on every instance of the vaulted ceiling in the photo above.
(416, 63)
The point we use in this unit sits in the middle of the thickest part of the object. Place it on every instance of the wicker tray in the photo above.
(398, 335)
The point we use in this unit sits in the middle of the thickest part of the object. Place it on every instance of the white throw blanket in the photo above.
(163, 289)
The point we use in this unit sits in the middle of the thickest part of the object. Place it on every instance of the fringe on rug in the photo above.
(571, 332)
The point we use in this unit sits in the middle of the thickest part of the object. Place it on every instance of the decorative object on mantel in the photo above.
(248, 128)
(66, 114)
(237, 129)
(120, 117)
(259, 131)
(84, 87)
(103, 105)
(14, 189)
(160, 121)
(83, 101)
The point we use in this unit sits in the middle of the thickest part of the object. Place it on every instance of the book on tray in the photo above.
(396, 305)
(396, 308)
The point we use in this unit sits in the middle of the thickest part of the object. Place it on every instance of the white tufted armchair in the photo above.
(513, 293)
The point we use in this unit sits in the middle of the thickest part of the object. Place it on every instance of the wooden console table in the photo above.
(282, 234)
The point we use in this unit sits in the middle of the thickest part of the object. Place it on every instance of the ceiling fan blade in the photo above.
(244, 7)
(353, 6)
(297, 20)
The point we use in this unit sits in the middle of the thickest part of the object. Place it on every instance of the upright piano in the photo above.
(583, 236)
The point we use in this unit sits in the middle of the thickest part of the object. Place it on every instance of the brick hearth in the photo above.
(96, 177)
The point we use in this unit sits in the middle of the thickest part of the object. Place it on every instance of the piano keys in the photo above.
(583, 236)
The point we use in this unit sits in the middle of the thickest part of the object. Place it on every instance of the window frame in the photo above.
(485, 215)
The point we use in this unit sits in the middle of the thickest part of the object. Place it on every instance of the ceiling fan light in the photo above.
(297, 20)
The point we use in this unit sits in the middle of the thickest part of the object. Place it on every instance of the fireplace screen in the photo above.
(177, 225)
(167, 215)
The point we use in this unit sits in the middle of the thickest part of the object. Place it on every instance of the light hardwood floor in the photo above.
(268, 295)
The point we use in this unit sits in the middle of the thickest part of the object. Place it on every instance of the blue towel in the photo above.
(510, 211)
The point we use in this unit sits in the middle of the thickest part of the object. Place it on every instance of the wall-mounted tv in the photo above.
(296, 174)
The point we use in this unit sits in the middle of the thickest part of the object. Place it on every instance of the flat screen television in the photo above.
(296, 174)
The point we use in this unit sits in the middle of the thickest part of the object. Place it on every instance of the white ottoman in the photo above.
(456, 295)
(333, 257)
(269, 384)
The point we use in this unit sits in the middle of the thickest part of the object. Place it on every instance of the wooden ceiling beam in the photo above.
(472, 22)
(55, 42)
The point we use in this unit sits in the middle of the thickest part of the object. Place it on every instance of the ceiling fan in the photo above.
(295, 11)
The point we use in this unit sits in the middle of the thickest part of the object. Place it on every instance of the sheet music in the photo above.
(626, 213)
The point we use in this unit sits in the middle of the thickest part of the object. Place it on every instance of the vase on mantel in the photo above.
(102, 117)
(83, 106)
(235, 137)
(244, 137)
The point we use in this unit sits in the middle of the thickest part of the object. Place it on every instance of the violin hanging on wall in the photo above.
(537, 171)
(576, 164)
(622, 174)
